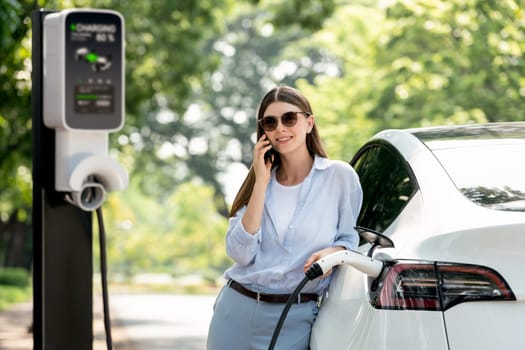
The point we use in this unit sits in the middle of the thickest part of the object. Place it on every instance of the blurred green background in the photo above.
(195, 72)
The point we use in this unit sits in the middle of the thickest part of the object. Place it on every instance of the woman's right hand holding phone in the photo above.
(262, 166)
(253, 216)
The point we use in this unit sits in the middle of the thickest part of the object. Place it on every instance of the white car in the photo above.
(452, 200)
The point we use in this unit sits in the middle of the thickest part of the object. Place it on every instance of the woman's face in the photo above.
(287, 139)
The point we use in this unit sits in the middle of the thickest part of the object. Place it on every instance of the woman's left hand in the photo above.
(321, 254)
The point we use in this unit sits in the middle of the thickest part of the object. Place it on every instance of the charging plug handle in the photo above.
(363, 263)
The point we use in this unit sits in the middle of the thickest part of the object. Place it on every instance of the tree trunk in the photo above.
(15, 235)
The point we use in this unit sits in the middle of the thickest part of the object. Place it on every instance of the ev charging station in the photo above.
(77, 100)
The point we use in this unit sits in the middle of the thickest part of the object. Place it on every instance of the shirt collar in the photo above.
(320, 163)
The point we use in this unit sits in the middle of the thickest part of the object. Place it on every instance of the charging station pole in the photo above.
(62, 237)
(77, 99)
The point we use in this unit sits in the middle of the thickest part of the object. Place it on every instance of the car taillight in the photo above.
(409, 285)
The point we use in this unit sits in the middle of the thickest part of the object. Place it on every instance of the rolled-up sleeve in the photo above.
(241, 246)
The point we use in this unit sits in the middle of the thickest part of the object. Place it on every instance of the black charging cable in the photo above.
(312, 273)
(104, 278)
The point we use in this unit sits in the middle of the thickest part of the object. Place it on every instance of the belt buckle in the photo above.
(258, 298)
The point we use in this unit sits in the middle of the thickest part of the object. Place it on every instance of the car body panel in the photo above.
(486, 325)
(352, 323)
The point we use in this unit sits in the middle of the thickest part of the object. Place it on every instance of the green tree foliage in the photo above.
(198, 229)
(15, 106)
(452, 62)
(14, 286)
(183, 233)
(309, 14)
(15, 133)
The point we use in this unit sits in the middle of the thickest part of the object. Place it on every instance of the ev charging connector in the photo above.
(83, 98)
(365, 264)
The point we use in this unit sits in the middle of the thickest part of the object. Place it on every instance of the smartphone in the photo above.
(268, 155)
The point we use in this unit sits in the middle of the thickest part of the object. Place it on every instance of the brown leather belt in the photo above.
(271, 298)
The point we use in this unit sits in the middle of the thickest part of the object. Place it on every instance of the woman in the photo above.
(294, 207)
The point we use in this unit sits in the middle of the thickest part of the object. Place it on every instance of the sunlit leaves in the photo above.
(466, 59)
(15, 108)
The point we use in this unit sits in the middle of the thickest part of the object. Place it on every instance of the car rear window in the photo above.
(490, 172)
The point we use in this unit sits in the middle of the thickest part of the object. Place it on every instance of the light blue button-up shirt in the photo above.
(329, 202)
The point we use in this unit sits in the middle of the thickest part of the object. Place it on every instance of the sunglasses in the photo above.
(288, 119)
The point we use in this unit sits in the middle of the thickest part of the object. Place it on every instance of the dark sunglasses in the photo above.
(288, 119)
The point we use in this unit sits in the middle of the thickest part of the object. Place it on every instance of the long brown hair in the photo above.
(313, 141)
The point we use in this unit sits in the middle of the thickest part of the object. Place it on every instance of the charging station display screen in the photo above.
(94, 63)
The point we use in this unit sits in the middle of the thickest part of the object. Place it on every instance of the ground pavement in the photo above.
(14, 335)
